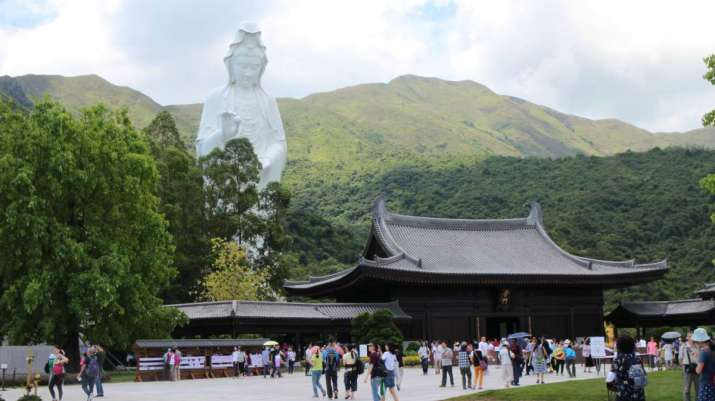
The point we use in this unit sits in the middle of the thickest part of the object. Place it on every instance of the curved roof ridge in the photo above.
(312, 279)
(384, 235)
(675, 301)
(578, 260)
(614, 263)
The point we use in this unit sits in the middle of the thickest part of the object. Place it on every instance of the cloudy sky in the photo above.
(639, 61)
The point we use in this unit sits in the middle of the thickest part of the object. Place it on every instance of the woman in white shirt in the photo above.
(390, 366)
(505, 360)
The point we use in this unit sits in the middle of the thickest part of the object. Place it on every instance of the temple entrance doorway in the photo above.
(501, 327)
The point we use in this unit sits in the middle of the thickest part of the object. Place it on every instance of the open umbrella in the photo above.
(518, 335)
(671, 335)
(270, 343)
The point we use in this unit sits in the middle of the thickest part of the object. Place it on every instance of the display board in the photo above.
(598, 347)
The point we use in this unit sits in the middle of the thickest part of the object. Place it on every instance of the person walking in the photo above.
(291, 360)
(479, 361)
(400, 371)
(177, 364)
(516, 361)
(168, 361)
(586, 353)
(570, 358)
(88, 372)
(307, 358)
(652, 350)
(706, 365)
(57, 362)
(351, 362)
(277, 361)
(391, 367)
(630, 375)
(331, 362)
(316, 370)
(668, 355)
(688, 355)
(266, 359)
(559, 358)
(465, 367)
(438, 351)
(505, 359)
(377, 372)
(446, 365)
(234, 360)
(101, 355)
(424, 355)
(539, 356)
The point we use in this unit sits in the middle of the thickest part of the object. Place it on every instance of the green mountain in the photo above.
(457, 149)
(410, 115)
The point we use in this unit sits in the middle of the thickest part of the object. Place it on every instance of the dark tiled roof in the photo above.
(284, 310)
(438, 247)
(708, 291)
(186, 343)
(669, 308)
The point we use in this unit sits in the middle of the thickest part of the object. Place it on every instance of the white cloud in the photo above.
(637, 61)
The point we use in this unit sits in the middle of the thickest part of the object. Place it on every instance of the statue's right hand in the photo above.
(229, 125)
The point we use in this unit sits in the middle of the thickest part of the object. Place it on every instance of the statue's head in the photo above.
(246, 59)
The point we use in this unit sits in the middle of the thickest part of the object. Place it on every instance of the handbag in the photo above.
(690, 366)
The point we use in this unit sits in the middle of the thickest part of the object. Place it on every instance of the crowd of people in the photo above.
(334, 365)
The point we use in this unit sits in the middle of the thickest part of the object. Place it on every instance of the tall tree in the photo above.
(180, 191)
(273, 206)
(231, 192)
(231, 275)
(709, 118)
(84, 249)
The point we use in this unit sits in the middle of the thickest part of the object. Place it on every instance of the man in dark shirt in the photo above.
(517, 361)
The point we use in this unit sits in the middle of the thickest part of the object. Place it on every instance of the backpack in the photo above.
(379, 369)
(331, 362)
(637, 376)
(359, 366)
(92, 369)
(47, 367)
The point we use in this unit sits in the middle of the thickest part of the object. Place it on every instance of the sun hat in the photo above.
(700, 335)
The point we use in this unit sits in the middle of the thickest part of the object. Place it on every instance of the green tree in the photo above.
(180, 191)
(709, 118)
(377, 327)
(231, 192)
(84, 249)
(273, 205)
(231, 276)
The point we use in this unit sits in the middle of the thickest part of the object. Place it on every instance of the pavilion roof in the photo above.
(284, 310)
(494, 251)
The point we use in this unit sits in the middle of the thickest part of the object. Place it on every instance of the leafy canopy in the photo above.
(377, 327)
(83, 246)
(709, 118)
(231, 275)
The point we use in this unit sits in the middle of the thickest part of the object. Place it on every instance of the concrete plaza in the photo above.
(415, 387)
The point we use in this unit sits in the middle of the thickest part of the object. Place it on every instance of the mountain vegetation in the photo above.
(457, 149)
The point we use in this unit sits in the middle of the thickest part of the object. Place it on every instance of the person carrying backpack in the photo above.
(706, 365)
(331, 365)
(630, 375)
(88, 372)
(56, 369)
(353, 368)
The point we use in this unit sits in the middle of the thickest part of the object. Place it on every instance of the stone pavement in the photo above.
(415, 387)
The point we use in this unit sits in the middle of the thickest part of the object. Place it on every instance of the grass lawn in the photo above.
(662, 386)
(121, 377)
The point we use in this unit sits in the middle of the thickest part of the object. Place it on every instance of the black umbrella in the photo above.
(518, 335)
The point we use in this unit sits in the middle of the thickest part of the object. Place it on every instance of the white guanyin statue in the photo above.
(242, 109)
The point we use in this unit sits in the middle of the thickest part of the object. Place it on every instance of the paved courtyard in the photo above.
(415, 387)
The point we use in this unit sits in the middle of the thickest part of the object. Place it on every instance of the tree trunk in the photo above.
(71, 348)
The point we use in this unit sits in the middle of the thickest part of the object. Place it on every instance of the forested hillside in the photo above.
(646, 206)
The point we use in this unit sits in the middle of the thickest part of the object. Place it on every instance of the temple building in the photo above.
(690, 312)
(444, 279)
(459, 278)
